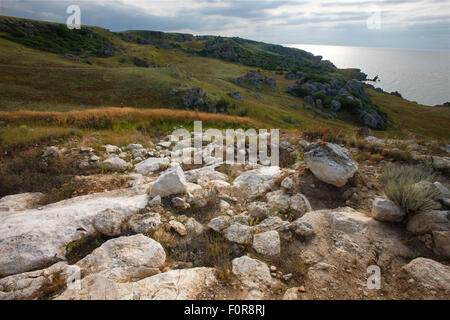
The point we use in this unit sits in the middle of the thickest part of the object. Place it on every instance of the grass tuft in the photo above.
(399, 186)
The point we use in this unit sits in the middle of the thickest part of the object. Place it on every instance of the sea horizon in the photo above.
(420, 75)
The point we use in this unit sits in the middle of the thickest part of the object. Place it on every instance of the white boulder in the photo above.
(170, 182)
(150, 165)
(330, 163)
(258, 181)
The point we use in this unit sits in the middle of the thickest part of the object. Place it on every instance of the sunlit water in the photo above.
(419, 75)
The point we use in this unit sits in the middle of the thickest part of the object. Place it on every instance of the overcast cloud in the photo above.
(406, 24)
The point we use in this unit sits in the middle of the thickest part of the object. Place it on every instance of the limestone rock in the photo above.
(219, 223)
(252, 273)
(193, 227)
(125, 253)
(116, 164)
(150, 165)
(387, 210)
(267, 243)
(109, 222)
(178, 227)
(18, 202)
(258, 181)
(330, 163)
(430, 273)
(181, 284)
(170, 182)
(429, 221)
(145, 223)
(239, 233)
(37, 238)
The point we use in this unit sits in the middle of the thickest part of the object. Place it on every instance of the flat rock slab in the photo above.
(35, 239)
(182, 284)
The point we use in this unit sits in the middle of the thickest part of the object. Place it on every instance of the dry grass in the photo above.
(399, 185)
(106, 117)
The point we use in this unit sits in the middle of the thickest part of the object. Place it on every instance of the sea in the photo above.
(418, 75)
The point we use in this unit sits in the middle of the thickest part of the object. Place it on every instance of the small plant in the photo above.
(52, 285)
(399, 186)
(165, 238)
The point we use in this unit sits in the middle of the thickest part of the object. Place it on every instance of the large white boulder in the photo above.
(170, 182)
(330, 163)
(151, 165)
(124, 257)
(258, 181)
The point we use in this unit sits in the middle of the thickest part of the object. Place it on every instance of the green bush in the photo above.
(300, 92)
(399, 186)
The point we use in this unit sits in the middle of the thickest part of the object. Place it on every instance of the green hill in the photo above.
(47, 67)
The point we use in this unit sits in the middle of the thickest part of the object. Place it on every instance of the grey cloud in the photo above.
(348, 28)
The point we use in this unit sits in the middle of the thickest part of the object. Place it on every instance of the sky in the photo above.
(419, 24)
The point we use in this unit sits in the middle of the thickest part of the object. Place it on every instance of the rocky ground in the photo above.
(151, 227)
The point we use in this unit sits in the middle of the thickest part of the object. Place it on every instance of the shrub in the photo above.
(300, 92)
(398, 182)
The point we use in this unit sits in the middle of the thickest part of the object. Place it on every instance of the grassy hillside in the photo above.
(45, 69)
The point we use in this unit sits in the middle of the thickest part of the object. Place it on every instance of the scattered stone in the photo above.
(287, 183)
(258, 181)
(251, 272)
(116, 164)
(109, 222)
(178, 227)
(156, 201)
(442, 242)
(429, 221)
(267, 243)
(219, 223)
(387, 210)
(179, 203)
(239, 233)
(151, 165)
(430, 273)
(223, 205)
(126, 254)
(145, 223)
(193, 227)
(259, 210)
(109, 148)
(302, 229)
(134, 146)
(170, 182)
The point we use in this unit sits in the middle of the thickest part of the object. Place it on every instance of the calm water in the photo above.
(419, 75)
